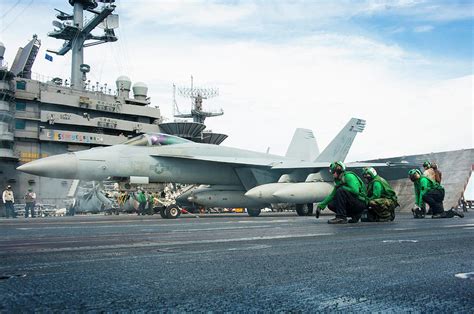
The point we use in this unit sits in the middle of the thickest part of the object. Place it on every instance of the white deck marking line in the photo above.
(266, 222)
(83, 227)
(400, 241)
(249, 248)
(465, 275)
(171, 243)
(455, 226)
(221, 228)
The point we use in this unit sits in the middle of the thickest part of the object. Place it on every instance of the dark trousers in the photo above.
(346, 204)
(30, 206)
(141, 208)
(9, 210)
(150, 208)
(435, 199)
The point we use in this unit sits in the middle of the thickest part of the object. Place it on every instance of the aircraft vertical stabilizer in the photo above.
(303, 146)
(340, 145)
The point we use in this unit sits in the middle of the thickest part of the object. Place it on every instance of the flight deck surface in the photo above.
(236, 263)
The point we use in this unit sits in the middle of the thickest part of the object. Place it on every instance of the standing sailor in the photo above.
(9, 200)
(30, 200)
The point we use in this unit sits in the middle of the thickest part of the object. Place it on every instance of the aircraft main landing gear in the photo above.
(253, 212)
(304, 209)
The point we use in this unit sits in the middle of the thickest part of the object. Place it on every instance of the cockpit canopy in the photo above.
(155, 139)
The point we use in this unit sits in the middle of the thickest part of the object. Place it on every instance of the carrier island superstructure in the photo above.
(40, 118)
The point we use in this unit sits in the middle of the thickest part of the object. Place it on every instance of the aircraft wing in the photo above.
(388, 170)
(222, 159)
(319, 165)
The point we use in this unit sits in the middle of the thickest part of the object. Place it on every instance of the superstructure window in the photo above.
(20, 124)
(6, 144)
(21, 85)
(20, 106)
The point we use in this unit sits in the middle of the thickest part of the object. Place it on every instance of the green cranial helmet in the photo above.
(337, 166)
(412, 172)
(369, 172)
(427, 164)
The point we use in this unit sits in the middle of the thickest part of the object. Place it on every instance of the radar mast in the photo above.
(75, 32)
(198, 114)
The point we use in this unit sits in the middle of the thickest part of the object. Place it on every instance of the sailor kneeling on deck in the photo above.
(348, 198)
(382, 199)
(429, 192)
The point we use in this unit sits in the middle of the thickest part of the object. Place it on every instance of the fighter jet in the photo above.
(227, 177)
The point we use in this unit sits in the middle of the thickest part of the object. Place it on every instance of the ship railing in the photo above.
(97, 88)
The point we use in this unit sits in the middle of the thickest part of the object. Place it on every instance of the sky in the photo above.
(405, 66)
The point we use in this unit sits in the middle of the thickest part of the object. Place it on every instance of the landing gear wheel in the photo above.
(253, 212)
(162, 212)
(310, 209)
(172, 212)
(302, 209)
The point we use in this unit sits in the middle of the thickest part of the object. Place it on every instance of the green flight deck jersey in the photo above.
(380, 188)
(423, 186)
(350, 182)
(141, 198)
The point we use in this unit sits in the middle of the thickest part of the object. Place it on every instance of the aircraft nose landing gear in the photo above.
(171, 212)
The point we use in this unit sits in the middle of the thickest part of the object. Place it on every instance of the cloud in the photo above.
(423, 29)
(421, 10)
(254, 14)
(194, 13)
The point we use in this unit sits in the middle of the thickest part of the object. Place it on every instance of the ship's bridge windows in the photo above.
(155, 139)
(21, 85)
(20, 106)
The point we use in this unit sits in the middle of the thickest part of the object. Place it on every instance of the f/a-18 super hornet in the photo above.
(227, 177)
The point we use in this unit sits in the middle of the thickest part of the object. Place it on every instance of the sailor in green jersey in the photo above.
(381, 197)
(431, 193)
(150, 203)
(141, 198)
(348, 198)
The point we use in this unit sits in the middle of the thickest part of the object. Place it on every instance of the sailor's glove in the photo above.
(319, 208)
(417, 212)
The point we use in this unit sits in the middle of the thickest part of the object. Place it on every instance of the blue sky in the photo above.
(285, 64)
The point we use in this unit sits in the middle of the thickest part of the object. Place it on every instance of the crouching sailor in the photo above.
(348, 198)
(382, 199)
(431, 193)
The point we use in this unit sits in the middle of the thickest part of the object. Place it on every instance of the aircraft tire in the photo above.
(163, 213)
(301, 209)
(253, 212)
(172, 212)
(310, 207)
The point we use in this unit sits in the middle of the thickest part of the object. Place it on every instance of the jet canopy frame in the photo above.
(155, 139)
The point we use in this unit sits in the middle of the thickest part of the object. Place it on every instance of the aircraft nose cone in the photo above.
(62, 166)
